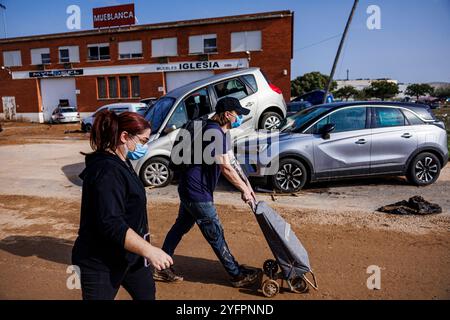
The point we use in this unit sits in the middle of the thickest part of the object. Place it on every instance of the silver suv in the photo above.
(357, 139)
(197, 99)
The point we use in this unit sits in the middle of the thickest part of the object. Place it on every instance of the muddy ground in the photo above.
(337, 223)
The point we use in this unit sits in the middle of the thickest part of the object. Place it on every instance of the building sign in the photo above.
(56, 73)
(136, 69)
(114, 16)
(203, 65)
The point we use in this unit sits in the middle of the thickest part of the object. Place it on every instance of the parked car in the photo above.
(295, 107)
(307, 100)
(353, 139)
(149, 101)
(65, 115)
(196, 99)
(314, 97)
(141, 108)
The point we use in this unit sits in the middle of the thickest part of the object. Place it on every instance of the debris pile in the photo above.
(415, 205)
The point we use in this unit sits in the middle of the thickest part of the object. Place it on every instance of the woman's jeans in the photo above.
(102, 285)
(205, 215)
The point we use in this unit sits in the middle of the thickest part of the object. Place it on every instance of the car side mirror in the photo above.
(326, 130)
(170, 129)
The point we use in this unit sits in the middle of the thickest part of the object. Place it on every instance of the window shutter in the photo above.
(196, 44)
(253, 42)
(36, 55)
(237, 41)
(130, 47)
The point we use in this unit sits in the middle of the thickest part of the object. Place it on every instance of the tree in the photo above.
(346, 92)
(309, 82)
(442, 92)
(382, 89)
(418, 89)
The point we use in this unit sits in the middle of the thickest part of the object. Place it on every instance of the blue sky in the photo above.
(413, 44)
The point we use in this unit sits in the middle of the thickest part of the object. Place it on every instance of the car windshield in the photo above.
(158, 112)
(299, 119)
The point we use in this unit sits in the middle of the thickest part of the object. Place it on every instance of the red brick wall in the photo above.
(273, 59)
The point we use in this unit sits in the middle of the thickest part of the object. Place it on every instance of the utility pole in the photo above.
(2, 6)
(347, 75)
(336, 59)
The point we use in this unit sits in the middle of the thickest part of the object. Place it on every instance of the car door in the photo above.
(393, 140)
(237, 88)
(347, 151)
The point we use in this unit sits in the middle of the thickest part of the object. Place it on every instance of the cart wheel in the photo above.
(270, 288)
(298, 285)
(270, 267)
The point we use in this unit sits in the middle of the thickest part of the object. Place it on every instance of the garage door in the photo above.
(178, 79)
(53, 90)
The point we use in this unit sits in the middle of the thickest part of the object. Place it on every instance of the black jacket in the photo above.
(113, 200)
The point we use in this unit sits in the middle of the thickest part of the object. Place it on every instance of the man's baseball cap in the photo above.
(230, 104)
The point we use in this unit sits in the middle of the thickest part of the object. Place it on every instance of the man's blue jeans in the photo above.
(205, 215)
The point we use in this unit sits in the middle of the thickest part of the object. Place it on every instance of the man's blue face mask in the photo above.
(238, 121)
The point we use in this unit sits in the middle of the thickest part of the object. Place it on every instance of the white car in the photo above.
(196, 99)
(118, 108)
(65, 115)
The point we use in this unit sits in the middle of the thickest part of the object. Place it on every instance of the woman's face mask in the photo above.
(139, 150)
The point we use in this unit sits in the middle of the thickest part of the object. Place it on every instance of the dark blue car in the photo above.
(307, 100)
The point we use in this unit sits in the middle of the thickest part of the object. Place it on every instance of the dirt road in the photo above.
(337, 223)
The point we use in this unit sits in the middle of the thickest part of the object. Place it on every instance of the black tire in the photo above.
(270, 120)
(291, 176)
(270, 268)
(156, 172)
(424, 169)
(87, 127)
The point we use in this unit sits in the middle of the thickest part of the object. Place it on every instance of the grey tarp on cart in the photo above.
(284, 244)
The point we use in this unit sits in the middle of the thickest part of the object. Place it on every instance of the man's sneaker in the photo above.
(166, 275)
(246, 277)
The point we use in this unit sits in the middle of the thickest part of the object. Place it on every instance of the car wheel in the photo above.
(424, 169)
(87, 127)
(291, 176)
(270, 121)
(156, 173)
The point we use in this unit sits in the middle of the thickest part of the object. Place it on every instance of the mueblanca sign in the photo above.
(114, 16)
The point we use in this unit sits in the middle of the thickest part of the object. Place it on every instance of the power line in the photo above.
(317, 43)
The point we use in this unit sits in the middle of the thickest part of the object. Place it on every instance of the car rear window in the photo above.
(424, 113)
(412, 118)
(251, 81)
(389, 117)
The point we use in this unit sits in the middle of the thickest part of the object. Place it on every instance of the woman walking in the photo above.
(112, 240)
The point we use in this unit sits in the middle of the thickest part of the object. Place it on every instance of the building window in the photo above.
(246, 41)
(112, 86)
(118, 87)
(166, 47)
(98, 52)
(101, 88)
(124, 88)
(69, 54)
(12, 58)
(40, 56)
(64, 56)
(135, 87)
(130, 49)
(206, 43)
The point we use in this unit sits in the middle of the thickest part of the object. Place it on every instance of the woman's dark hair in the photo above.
(108, 126)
